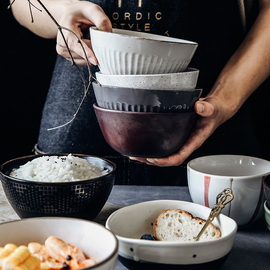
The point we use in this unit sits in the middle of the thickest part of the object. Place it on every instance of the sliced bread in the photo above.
(179, 225)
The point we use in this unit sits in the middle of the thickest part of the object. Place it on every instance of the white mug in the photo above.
(210, 175)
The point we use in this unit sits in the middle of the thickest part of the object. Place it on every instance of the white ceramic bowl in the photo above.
(184, 80)
(92, 238)
(210, 175)
(131, 222)
(130, 52)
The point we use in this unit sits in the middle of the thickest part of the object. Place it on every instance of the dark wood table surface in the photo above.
(251, 250)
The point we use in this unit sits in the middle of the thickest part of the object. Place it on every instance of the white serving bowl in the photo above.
(92, 238)
(210, 175)
(131, 222)
(130, 52)
(185, 80)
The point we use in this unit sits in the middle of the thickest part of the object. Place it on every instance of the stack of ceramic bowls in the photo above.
(145, 91)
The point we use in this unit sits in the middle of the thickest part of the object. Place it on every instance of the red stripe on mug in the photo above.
(258, 204)
(206, 190)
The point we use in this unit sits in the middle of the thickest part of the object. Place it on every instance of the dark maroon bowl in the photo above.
(144, 134)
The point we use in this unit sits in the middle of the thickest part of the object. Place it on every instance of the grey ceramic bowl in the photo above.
(145, 100)
(144, 134)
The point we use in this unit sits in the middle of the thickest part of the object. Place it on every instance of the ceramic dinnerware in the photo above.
(267, 214)
(144, 100)
(184, 80)
(209, 175)
(140, 134)
(131, 222)
(131, 52)
(266, 184)
(92, 238)
(80, 199)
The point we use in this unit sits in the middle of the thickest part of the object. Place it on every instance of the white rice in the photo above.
(58, 169)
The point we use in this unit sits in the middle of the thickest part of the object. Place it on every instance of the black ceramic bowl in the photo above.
(144, 134)
(80, 199)
(145, 100)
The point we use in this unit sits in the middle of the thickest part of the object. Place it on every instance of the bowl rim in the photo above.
(115, 250)
(189, 167)
(171, 243)
(77, 182)
(267, 183)
(267, 210)
(128, 34)
(121, 88)
(188, 70)
(139, 113)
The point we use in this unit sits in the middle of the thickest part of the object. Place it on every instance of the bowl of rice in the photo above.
(65, 185)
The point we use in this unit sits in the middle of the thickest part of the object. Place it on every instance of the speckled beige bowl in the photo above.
(185, 80)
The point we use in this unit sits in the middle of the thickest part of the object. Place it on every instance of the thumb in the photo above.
(204, 108)
(105, 26)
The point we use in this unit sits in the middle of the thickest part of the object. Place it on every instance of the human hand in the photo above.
(211, 114)
(78, 17)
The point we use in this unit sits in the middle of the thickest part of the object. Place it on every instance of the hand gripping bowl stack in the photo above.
(145, 91)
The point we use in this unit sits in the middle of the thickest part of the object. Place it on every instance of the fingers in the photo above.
(143, 160)
(75, 22)
(202, 130)
(100, 20)
(72, 57)
(79, 50)
(209, 119)
(204, 108)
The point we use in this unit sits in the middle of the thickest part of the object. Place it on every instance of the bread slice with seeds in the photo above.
(180, 226)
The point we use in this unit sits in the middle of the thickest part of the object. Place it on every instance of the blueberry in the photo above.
(148, 237)
(65, 265)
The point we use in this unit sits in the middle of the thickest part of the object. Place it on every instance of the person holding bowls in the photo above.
(233, 58)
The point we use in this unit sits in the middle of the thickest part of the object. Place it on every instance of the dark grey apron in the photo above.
(218, 27)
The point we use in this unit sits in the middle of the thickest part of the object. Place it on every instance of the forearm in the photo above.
(42, 24)
(247, 68)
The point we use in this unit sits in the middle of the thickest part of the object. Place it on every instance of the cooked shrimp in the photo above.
(66, 253)
(87, 263)
(39, 251)
(34, 247)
